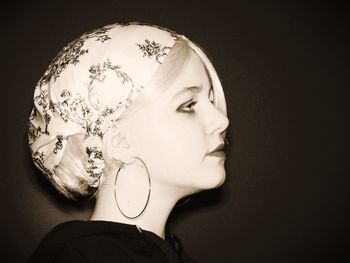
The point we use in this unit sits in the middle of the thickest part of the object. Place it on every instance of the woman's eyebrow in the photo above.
(194, 89)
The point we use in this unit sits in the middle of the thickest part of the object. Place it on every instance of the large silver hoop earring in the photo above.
(148, 195)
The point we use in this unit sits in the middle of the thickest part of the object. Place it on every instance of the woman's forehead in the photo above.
(192, 78)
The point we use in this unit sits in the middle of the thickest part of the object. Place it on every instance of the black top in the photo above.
(104, 241)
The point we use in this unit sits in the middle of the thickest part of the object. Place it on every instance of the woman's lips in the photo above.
(217, 154)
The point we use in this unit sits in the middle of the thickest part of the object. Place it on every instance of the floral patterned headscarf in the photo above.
(89, 84)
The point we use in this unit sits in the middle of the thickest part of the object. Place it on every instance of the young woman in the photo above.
(135, 116)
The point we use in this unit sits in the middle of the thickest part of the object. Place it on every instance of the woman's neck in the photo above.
(154, 217)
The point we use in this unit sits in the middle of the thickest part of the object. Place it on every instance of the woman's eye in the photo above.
(187, 108)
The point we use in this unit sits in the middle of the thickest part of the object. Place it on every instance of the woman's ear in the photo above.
(118, 147)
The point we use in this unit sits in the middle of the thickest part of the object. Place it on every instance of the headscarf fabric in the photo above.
(88, 85)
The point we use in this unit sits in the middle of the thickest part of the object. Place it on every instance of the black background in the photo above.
(284, 67)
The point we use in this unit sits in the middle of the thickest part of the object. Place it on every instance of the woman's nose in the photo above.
(218, 121)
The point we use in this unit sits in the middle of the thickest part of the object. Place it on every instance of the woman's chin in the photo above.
(214, 180)
(221, 181)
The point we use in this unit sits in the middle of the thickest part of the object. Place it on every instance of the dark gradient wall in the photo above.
(284, 68)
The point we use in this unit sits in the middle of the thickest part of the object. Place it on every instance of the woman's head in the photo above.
(123, 79)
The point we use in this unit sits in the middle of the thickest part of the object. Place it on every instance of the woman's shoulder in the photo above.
(99, 241)
(86, 241)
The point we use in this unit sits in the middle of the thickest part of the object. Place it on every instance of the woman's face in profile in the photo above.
(175, 130)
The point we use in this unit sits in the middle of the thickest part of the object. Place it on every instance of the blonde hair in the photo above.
(170, 69)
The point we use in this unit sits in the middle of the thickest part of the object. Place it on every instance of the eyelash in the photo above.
(188, 105)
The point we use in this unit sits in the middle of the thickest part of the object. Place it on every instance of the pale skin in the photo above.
(173, 144)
